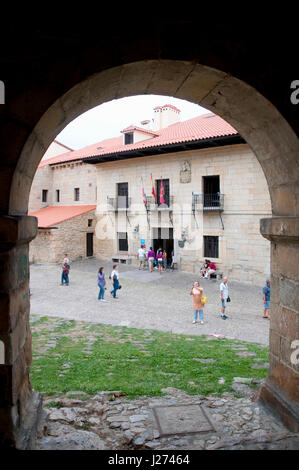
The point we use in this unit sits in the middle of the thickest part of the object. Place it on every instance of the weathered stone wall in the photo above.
(65, 178)
(43, 180)
(243, 253)
(69, 237)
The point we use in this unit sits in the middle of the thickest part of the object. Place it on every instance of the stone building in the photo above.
(63, 198)
(215, 195)
(231, 77)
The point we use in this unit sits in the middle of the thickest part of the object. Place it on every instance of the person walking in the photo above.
(266, 296)
(141, 257)
(159, 259)
(198, 306)
(164, 257)
(151, 259)
(101, 284)
(114, 276)
(223, 297)
(65, 274)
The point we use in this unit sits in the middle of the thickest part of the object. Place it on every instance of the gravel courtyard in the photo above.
(147, 300)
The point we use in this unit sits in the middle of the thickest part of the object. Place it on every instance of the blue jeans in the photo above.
(199, 313)
(65, 277)
(115, 287)
(101, 292)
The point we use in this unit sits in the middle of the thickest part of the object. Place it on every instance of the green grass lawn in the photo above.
(94, 357)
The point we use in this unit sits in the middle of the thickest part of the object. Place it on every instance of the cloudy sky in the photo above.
(108, 119)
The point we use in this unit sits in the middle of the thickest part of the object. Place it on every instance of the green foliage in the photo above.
(92, 358)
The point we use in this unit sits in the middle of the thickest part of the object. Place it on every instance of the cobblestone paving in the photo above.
(148, 300)
(109, 422)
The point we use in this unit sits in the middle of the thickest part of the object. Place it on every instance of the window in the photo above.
(211, 247)
(122, 195)
(57, 195)
(166, 192)
(77, 194)
(211, 190)
(89, 223)
(44, 195)
(129, 138)
(122, 241)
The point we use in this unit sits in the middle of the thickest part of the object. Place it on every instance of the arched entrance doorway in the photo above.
(276, 147)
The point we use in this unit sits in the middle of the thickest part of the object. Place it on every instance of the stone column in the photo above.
(281, 390)
(20, 406)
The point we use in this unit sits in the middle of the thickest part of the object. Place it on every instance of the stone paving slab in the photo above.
(182, 419)
(164, 303)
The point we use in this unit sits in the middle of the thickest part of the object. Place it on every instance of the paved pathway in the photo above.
(147, 300)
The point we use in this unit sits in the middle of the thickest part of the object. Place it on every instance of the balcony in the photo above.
(154, 206)
(213, 202)
(206, 202)
(118, 204)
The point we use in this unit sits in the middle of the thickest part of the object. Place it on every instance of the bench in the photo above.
(217, 275)
(121, 259)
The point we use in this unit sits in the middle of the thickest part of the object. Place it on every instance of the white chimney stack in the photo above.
(164, 116)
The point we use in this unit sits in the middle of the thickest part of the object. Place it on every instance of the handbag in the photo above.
(204, 299)
(228, 299)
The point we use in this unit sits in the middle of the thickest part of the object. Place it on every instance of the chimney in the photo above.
(164, 116)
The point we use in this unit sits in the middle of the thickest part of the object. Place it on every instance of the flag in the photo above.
(153, 189)
(162, 192)
(143, 194)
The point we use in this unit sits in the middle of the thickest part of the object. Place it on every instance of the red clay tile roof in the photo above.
(202, 127)
(140, 129)
(53, 215)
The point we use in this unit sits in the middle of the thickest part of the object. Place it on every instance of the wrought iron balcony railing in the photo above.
(213, 202)
(208, 202)
(119, 203)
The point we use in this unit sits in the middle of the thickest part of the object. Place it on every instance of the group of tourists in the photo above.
(158, 259)
(199, 298)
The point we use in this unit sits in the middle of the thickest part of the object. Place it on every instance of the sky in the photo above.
(108, 119)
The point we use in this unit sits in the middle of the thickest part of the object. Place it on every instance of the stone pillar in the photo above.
(281, 390)
(20, 406)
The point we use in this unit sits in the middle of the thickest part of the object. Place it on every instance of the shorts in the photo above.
(223, 303)
(151, 260)
(141, 260)
(267, 304)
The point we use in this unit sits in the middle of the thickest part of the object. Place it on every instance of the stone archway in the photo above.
(276, 147)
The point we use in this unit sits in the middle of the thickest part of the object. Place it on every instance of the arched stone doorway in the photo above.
(276, 147)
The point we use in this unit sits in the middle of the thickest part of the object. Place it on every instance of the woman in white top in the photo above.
(114, 276)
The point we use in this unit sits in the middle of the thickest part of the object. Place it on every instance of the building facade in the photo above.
(193, 188)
